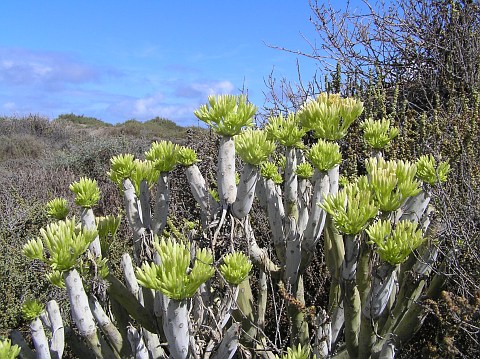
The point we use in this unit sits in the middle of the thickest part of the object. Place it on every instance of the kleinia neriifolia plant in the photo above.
(186, 291)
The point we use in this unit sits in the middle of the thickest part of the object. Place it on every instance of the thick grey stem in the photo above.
(316, 220)
(88, 222)
(227, 190)
(245, 191)
(379, 294)
(175, 326)
(82, 315)
(146, 213)
(134, 218)
(323, 339)
(57, 343)
(40, 341)
(107, 327)
(200, 192)
(161, 203)
(136, 342)
(130, 279)
(276, 217)
(228, 346)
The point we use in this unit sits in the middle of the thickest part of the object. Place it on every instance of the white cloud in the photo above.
(177, 107)
(53, 70)
(203, 89)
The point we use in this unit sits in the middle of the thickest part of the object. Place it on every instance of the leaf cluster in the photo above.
(227, 114)
(174, 277)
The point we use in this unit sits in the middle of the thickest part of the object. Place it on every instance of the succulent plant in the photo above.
(253, 147)
(235, 268)
(57, 208)
(330, 116)
(304, 170)
(173, 277)
(287, 131)
(187, 156)
(324, 155)
(227, 114)
(31, 309)
(297, 352)
(378, 134)
(7, 350)
(352, 207)
(65, 243)
(394, 246)
(164, 155)
(270, 171)
(87, 193)
(428, 170)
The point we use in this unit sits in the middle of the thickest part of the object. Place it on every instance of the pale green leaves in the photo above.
(227, 114)
(287, 131)
(352, 207)
(270, 171)
(164, 155)
(87, 193)
(235, 267)
(31, 309)
(126, 167)
(392, 182)
(394, 246)
(7, 350)
(187, 156)
(298, 352)
(65, 243)
(330, 116)
(174, 277)
(121, 167)
(304, 170)
(324, 155)
(253, 147)
(56, 278)
(378, 134)
(57, 208)
(429, 172)
(107, 229)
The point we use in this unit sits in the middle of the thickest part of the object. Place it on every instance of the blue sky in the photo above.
(121, 60)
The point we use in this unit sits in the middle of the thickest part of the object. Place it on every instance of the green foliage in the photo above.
(429, 172)
(287, 131)
(329, 116)
(107, 228)
(394, 246)
(187, 156)
(65, 243)
(87, 193)
(172, 277)
(378, 134)
(164, 155)
(57, 208)
(227, 114)
(7, 350)
(121, 167)
(324, 155)
(253, 147)
(392, 182)
(31, 309)
(235, 268)
(304, 170)
(56, 278)
(270, 171)
(352, 207)
(298, 352)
